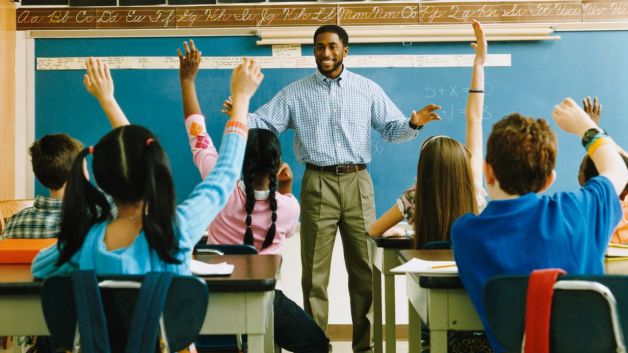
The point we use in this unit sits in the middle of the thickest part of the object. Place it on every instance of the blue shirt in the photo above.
(332, 118)
(569, 230)
(192, 217)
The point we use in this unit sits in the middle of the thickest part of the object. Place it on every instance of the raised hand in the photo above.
(245, 79)
(97, 80)
(480, 46)
(571, 118)
(188, 64)
(284, 174)
(425, 115)
(593, 109)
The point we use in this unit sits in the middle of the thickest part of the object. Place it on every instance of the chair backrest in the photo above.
(9, 207)
(437, 245)
(183, 314)
(225, 249)
(581, 321)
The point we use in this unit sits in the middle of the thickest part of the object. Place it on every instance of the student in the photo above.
(520, 231)
(449, 174)
(149, 233)
(588, 171)
(52, 157)
(261, 210)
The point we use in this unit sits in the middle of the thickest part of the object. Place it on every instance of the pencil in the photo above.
(443, 266)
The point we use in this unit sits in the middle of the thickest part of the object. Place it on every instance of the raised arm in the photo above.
(204, 152)
(475, 103)
(98, 82)
(604, 153)
(284, 178)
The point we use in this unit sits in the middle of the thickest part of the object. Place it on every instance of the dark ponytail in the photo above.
(261, 159)
(83, 206)
(159, 205)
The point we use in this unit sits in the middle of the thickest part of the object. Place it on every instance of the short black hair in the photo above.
(52, 158)
(342, 34)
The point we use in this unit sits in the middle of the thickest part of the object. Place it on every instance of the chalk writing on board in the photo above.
(275, 62)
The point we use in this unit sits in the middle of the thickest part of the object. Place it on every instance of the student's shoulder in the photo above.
(597, 189)
(288, 201)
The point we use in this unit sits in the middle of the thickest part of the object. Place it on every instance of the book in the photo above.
(617, 250)
(200, 268)
(22, 251)
(432, 268)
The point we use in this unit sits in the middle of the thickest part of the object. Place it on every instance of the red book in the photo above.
(22, 251)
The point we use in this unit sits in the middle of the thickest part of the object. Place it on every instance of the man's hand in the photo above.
(593, 109)
(188, 64)
(227, 105)
(571, 118)
(425, 115)
(98, 81)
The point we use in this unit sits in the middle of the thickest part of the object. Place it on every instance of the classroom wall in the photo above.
(7, 99)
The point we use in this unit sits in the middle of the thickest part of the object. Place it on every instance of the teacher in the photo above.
(332, 112)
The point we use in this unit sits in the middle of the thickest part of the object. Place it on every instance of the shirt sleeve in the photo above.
(387, 119)
(274, 115)
(45, 264)
(294, 212)
(599, 207)
(405, 203)
(195, 214)
(204, 152)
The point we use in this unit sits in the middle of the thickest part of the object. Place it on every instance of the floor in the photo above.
(345, 346)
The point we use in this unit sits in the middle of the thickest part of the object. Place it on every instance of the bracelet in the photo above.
(476, 90)
(597, 144)
(593, 139)
(414, 127)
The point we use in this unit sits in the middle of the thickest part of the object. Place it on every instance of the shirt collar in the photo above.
(342, 79)
(47, 203)
(260, 195)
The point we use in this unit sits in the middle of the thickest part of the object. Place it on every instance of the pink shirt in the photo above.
(229, 226)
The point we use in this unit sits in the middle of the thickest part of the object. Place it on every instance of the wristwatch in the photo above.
(415, 127)
(590, 134)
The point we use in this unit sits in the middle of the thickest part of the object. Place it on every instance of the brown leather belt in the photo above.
(338, 169)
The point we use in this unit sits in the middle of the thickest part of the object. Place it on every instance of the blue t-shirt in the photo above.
(569, 230)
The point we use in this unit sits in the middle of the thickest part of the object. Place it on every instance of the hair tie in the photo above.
(149, 141)
(90, 149)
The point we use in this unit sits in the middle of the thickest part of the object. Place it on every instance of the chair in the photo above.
(437, 245)
(210, 343)
(9, 207)
(584, 318)
(181, 320)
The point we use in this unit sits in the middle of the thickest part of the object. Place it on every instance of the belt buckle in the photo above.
(338, 172)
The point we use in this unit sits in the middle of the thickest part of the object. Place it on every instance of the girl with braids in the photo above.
(261, 210)
(149, 233)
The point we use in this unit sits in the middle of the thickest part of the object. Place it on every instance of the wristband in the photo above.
(476, 91)
(414, 127)
(597, 144)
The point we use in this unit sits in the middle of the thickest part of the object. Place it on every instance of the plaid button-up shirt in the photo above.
(40, 221)
(332, 118)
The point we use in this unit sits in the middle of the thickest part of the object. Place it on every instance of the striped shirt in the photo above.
(332, 118)
(40, 221)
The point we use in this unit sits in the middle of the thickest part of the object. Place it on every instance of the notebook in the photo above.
(432, 268)
(22, 251)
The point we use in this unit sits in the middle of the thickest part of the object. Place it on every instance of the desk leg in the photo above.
(438, 341)
(389, 294)
(377, 310)
(414, 330)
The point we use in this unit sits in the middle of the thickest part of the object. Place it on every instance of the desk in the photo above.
(441, 302)
(240, 303)
(384, 256)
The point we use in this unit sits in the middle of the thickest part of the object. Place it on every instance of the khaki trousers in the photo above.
(329, 202)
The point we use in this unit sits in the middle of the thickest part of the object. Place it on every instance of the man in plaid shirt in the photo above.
(332, 113)
(52, 157)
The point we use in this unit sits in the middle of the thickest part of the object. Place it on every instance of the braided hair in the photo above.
(261, 160)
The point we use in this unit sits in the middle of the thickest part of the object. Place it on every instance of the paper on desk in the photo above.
(200, 268)
(439, 268)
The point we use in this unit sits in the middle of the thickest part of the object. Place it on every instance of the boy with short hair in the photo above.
(52, 157)
(520, 231)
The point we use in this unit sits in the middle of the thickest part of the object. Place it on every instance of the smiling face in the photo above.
(329, 52)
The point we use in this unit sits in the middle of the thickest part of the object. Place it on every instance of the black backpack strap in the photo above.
(148, 308)
(92, 322)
